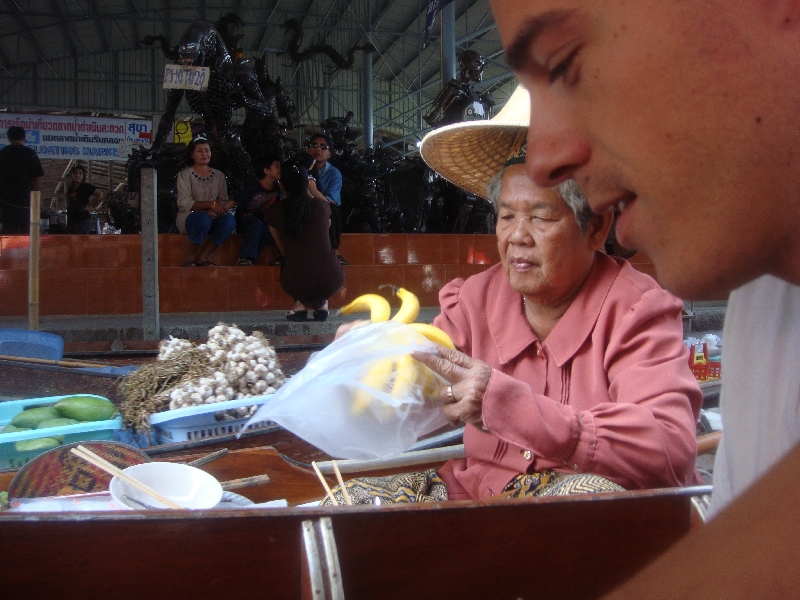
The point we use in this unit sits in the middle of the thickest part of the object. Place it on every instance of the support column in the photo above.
(448, 42)
(151, 326)
(325, 99)
(33, 260)
(366, 102)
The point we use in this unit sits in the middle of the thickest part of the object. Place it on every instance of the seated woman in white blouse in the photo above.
(203, 205)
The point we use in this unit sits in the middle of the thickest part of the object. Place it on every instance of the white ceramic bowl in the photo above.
(185, 485)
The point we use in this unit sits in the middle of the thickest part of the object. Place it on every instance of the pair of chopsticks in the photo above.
(345, 493)
(102, 463)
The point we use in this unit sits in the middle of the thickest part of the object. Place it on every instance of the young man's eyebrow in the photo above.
(518, 52)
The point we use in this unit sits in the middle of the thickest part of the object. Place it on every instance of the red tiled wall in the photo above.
(99, 275)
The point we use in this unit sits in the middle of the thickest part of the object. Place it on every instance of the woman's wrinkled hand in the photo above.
(469, 378)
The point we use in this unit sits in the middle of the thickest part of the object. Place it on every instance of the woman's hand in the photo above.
(469, 377)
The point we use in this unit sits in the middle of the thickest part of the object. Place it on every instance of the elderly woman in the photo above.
(571, 374)
(203, 205)
(573, 362)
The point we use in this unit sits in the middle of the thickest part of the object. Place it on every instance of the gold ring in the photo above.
(449, 393)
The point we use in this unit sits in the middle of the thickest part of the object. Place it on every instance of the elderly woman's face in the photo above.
(542, 250)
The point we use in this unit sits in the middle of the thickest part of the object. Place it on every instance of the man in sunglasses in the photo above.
(329, 185)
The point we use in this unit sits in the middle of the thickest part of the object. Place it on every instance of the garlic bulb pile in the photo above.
(172, 346)
(243, 366)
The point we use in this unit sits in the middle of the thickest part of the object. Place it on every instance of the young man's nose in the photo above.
(555, 148)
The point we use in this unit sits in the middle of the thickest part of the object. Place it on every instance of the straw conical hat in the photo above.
(469, 154)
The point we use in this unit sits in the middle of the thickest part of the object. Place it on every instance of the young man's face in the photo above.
(319, 149)
(676, 113)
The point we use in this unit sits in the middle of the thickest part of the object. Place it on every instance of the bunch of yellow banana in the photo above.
(408, 373)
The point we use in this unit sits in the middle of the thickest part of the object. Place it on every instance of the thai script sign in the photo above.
(83, 138)
(186, 78)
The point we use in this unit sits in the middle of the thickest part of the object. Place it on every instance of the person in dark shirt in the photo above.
(327, 186)
(311, 273)
(251, 204)
(80, 194)
(20, 173)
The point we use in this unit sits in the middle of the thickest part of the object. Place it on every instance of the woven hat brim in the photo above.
(469, 154)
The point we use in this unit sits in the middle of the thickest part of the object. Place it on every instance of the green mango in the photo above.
(12, 429)
(85, 408)
(37, 444)
(31, 417)
(56, 423)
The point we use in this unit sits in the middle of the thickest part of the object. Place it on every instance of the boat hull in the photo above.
(572, 547)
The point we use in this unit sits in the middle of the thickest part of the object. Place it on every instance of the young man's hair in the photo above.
(264, 162)
(16, 134)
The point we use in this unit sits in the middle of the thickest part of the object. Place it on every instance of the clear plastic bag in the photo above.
(362, 397)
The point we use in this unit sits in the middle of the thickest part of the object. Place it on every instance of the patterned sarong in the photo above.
(553, 483)
(420, 486)
(427, 486)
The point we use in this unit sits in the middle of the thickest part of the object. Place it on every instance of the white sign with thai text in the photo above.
(186, 78)
(80, 138)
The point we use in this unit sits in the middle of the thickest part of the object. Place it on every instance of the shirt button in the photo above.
(527, 455)
(538, 352)
(575, 466)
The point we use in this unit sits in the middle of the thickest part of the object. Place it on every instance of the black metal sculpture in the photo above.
(458, 100)
(298, 56)
(232, 84)
(262, 132)
(444, 207)
(383, 191)
(341, 133)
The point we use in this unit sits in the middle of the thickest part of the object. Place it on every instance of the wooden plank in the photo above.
(140, 555)
(576, 547)
(573, 547)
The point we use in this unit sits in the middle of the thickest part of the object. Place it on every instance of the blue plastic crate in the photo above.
(11, 458)
(31, 344)
(198, 422)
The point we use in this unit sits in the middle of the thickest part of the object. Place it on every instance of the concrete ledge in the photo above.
(98, 333)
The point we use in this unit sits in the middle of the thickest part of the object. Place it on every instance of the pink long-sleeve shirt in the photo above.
(609, 392)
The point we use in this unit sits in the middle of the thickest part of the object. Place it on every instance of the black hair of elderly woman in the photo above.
(311, 273)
